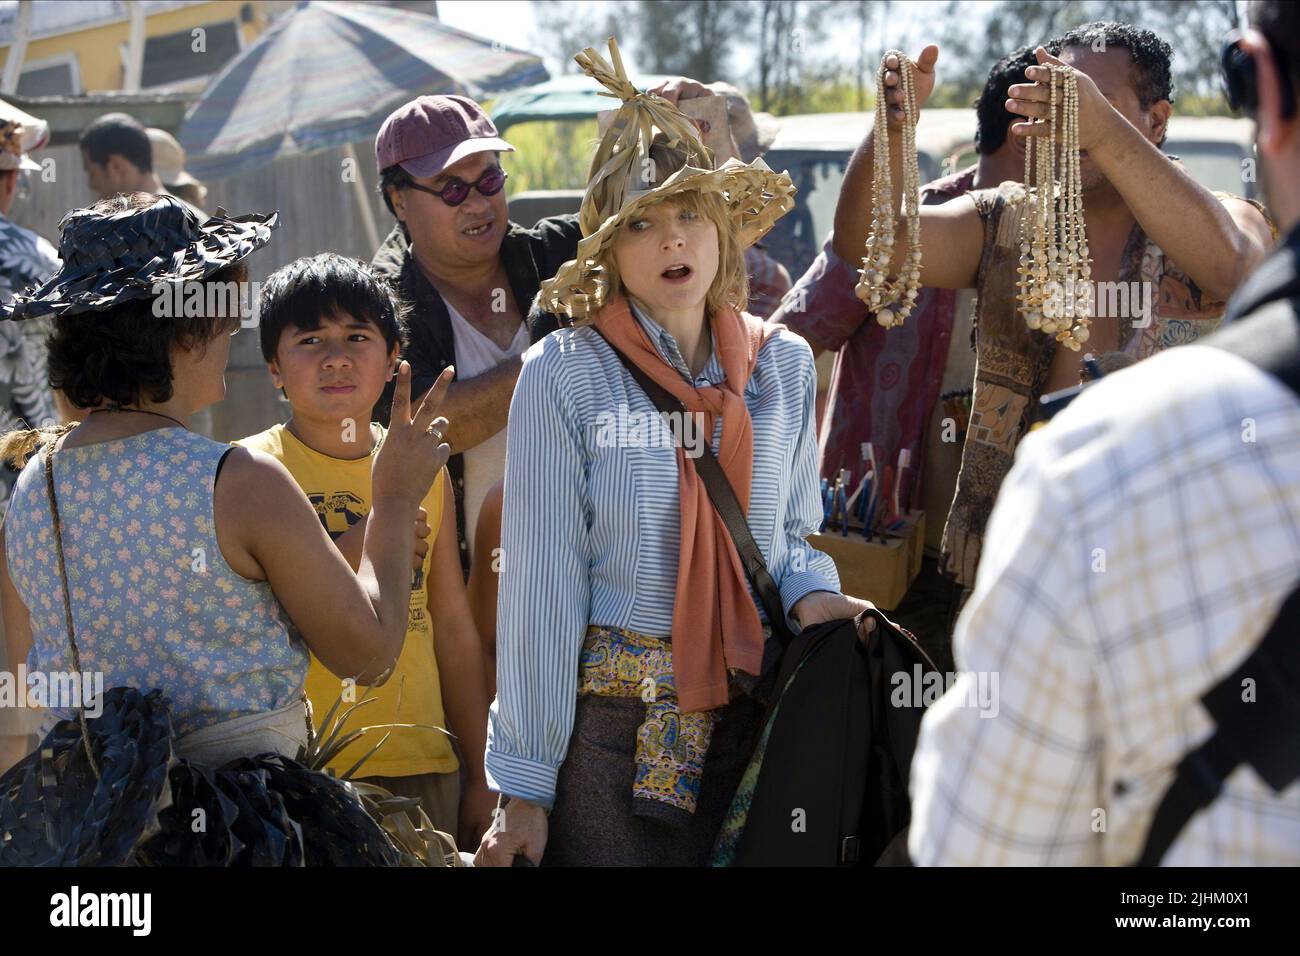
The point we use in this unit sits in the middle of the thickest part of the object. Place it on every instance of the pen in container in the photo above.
(904, 473)
(883, 515)
(853, 505)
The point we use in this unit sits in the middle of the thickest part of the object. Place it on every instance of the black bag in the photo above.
(832, 788)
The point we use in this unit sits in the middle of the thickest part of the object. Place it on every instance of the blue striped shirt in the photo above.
(589, 530)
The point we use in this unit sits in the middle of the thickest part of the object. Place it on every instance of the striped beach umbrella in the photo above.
(327, 74)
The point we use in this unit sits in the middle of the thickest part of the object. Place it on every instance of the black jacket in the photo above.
(1262, 322)
(530, 256)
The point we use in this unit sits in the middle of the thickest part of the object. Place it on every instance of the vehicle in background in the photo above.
(815, 150)
(1217, 151)
(534, 204)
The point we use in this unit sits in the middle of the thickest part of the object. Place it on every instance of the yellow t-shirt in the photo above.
(340, 491)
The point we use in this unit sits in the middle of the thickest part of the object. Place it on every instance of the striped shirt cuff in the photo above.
(520, 777)
(796, 584)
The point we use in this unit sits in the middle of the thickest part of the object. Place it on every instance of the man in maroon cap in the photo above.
(466, 275)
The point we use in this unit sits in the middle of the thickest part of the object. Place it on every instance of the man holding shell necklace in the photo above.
(1149, 227)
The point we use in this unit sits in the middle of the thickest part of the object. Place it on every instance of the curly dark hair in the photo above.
(993, 119)
(1152, 57)
(123, 354)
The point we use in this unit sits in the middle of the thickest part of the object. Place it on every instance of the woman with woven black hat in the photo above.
(620, 584)
(137, 549)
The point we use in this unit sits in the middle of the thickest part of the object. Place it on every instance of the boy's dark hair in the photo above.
(121, 135)
(1152, 57)
(308, 290)
(123, 354)
(993, 119)
(1279, 21)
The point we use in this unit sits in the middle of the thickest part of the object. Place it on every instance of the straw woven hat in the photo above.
(621, 182)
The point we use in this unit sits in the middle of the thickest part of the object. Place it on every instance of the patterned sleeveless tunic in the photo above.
(154, 602)
(1160, 307)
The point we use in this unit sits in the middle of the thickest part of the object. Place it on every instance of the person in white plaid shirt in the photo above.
(1139, 550)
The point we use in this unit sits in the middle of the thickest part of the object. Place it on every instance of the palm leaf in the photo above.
(366, 756)
(330, 733)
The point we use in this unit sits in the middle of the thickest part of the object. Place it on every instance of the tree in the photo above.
(792, 69)
(789, 67)
(565, 29)
(974, 36)
(692, 38)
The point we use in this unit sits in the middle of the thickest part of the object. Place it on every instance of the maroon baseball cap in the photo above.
(430, 133)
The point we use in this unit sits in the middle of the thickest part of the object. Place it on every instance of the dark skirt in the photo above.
(141, 807)
(593, 823)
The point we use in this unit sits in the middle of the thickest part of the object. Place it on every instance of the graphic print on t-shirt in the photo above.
(339, 511)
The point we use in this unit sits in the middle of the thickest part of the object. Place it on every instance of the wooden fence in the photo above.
(318, 213)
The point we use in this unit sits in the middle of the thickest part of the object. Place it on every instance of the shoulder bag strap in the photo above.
(67, 598)
(724, 500)
(1259, 733)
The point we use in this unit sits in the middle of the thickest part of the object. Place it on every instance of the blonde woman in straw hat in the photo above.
(627, 631)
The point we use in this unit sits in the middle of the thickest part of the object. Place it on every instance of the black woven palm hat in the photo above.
(111, 258)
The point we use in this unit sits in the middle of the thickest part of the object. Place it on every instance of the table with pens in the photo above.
(870, 530)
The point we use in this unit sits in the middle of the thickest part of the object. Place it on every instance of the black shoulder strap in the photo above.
(1269, 339)
(724, 500)
(1256, 711)
(1256, 726)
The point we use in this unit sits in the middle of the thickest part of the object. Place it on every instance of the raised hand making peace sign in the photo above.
(413, 451)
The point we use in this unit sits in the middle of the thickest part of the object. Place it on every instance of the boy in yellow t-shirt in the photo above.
(331, 339)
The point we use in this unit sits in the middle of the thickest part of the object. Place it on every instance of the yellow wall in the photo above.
(99, 49)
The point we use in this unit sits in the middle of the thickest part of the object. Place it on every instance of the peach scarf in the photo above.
(715, 622)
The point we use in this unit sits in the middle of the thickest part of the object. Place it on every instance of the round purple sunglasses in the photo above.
(457, 190)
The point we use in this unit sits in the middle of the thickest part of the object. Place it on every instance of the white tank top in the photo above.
(485, 463)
